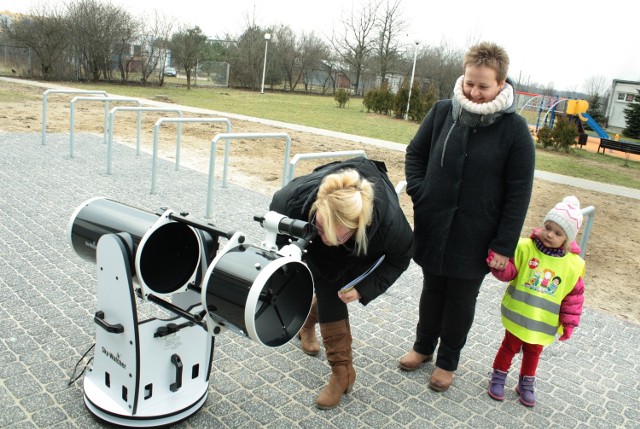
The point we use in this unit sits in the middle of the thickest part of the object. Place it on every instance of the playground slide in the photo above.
(594, 126)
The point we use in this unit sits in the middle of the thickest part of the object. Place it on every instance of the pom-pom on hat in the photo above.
(567, 214)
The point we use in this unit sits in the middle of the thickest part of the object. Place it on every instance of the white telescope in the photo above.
(155, 372)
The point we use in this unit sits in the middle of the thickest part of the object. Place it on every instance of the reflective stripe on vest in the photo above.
(535, 301)
(525, 322)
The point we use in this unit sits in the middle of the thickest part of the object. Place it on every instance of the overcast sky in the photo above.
(559, 42)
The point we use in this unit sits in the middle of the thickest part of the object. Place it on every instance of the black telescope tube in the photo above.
(168, 253)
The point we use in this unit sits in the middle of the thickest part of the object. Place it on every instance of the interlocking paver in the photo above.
(47, 302)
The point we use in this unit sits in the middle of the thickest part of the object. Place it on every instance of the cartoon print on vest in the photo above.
(546, 277)
(533, 264)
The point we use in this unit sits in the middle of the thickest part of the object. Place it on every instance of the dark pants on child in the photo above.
(447, 309)
(511, 346)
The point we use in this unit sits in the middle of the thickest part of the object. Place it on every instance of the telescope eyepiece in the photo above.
(294, 228)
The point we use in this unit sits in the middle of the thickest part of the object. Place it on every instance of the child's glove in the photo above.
(566, 334)
(507, 274)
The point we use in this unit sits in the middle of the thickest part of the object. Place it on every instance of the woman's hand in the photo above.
(351, 296)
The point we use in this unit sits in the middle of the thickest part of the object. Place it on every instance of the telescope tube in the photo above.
(164, 254)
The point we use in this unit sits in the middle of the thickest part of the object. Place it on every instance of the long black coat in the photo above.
(471, 193)
(389, 233)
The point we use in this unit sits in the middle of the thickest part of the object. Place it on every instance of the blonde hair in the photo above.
(345, 199)
(490, 55)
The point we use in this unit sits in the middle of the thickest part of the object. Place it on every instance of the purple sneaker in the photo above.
(496, 384)
(525, 390)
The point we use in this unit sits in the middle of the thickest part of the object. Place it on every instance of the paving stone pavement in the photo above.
(47, 303)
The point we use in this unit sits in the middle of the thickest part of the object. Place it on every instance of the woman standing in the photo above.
(360, 224)
(469, 173)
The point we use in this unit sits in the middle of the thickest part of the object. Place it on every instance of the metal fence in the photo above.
(216, 73)
(16, 61)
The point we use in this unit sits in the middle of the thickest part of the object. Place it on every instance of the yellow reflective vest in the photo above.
(531, 304)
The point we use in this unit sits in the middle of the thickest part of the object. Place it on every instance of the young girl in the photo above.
(544, 296)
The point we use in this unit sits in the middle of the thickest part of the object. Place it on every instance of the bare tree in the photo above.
(97, 30)
(285, 52)
(245, 53)
(441, 65)
(329, 72)
(186, 49)
(570, 91)
(548, 89)
(297, 56)
(87, 25)
(154, 46)
(355, 44)
(246, 56)
(127, 30)
(313, 51)
(45, 31)
(390, 27)
(595, 85)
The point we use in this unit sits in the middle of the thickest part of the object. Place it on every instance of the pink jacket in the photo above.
(571, 307)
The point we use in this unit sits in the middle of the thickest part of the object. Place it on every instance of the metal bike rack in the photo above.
(400, 186)
(112, 115)
(589, 213)
(319, 155)
(156, 130)
(60, 91)
(212, 158)
(104, 100)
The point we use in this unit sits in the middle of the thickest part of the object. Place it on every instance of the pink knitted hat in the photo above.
(567, 214)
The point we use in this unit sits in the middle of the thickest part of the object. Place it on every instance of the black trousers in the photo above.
(447, 309)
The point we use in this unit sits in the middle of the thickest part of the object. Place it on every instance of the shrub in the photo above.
(544, 137)
(415, 106)
(400, 102)
(379, 100)
(426, 102)
(368, 100)
(561, 137)
(421, 102)
(342, 97)
(564, 134)
(632, 118)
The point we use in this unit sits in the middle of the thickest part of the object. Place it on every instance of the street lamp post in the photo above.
(267, 36)
(413, 72)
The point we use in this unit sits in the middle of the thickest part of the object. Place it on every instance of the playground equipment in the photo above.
(541, 107)
(594, 125)
(577, 112)
(153, 371)
(545, 109)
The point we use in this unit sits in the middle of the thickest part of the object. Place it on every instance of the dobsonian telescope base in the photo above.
(144, 373)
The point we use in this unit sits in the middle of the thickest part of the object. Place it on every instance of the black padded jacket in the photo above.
(389, 233)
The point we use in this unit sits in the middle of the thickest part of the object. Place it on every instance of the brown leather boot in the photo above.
(441, 379)
(336, 337)
(413, 360)
(307, 335)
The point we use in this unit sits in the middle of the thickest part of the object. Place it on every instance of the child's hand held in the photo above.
(566, 334)
(490, 257)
